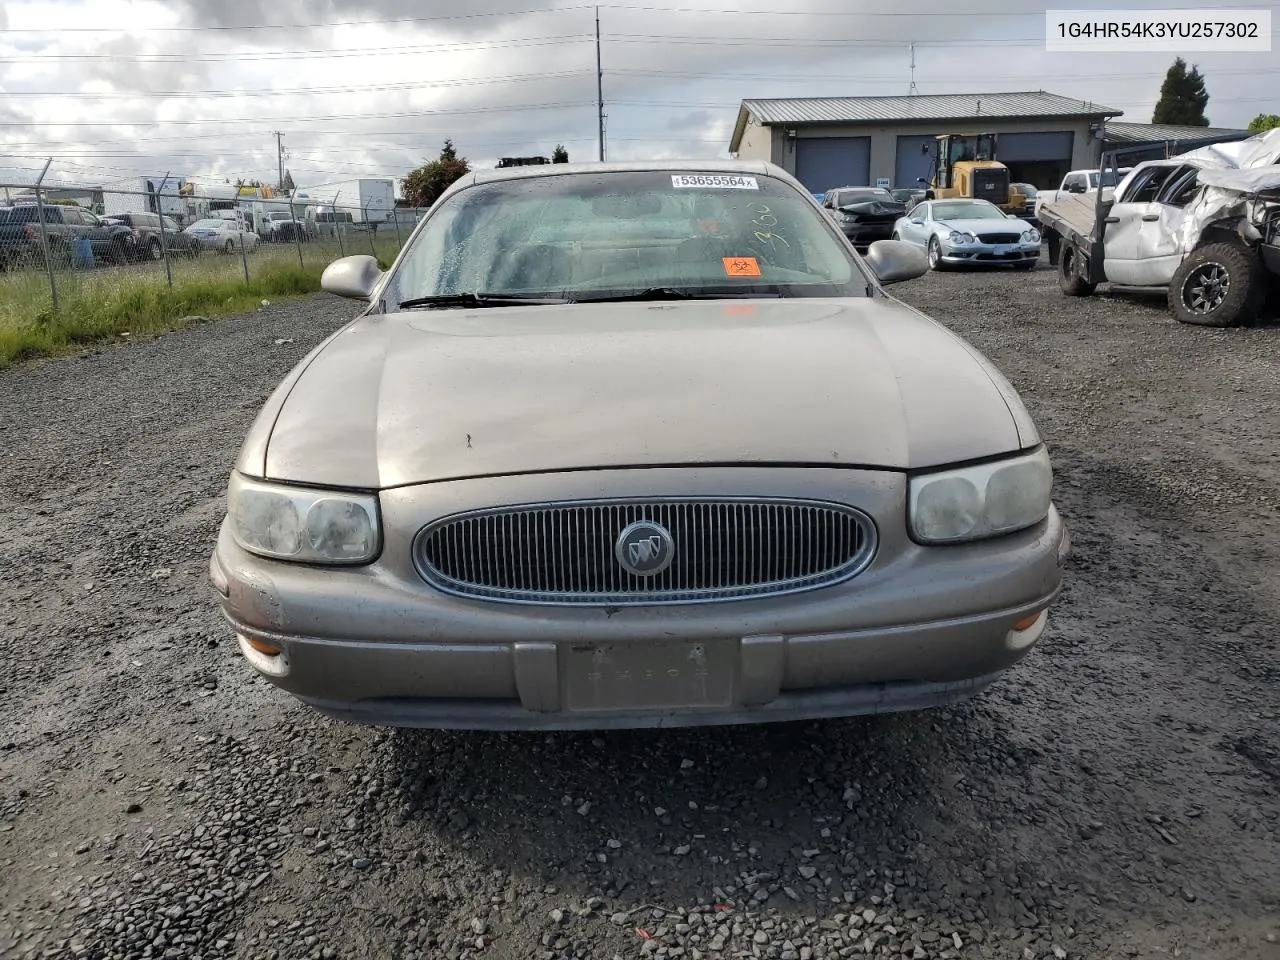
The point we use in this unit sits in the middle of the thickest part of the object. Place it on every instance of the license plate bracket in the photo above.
(649, 675)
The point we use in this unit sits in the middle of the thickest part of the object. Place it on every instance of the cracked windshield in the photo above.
(647, 480)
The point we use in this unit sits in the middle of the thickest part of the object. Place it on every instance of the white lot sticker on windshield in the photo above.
(714, 180)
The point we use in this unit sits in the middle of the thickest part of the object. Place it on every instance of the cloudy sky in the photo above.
(114, 88)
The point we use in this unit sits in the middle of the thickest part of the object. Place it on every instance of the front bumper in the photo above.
(919, 627)
(992, 253)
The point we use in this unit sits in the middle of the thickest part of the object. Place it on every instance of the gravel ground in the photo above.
(1114, 796)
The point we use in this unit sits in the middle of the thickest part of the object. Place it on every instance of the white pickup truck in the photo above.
(1203, 226)
(1080, 181)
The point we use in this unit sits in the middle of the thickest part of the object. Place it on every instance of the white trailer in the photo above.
(143, 195)
(367, 199)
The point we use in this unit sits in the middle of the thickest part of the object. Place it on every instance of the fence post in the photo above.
(297, 236)
(44, 235)
(244, 259)
(164, 247)
(373, 229)
(399, 239)
(337, 225)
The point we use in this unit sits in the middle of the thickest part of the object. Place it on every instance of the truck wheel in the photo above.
(229, 248)
(1071, 273)
(153, 250)
(1219, 285)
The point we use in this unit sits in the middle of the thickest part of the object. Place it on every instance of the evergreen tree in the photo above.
(1183, 97)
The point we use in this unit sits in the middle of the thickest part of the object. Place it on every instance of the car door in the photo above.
(1124, 221)
(1160, 229)
(916, 228)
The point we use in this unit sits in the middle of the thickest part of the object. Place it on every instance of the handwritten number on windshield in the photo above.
(766, 219)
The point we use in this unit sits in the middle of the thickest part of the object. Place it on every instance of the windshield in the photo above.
(279, 215)
(595, 234)
(847, 197)
(208, 224)
(967, 211)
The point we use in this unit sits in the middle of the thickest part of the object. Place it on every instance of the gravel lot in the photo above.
(1114, 796)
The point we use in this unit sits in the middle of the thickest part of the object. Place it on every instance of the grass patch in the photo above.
(105, 302)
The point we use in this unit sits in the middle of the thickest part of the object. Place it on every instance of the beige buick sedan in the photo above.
(628, 445)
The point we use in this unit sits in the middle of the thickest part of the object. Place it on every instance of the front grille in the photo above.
(722, 549)
(999, 237)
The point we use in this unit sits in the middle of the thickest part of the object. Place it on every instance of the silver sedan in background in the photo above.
(961, 231)
(636, 444)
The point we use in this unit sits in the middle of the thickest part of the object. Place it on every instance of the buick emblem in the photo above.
(645, 548)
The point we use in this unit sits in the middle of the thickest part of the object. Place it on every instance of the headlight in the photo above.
(297, 523)
(957, 237)
(972, 503)
(1031, 236)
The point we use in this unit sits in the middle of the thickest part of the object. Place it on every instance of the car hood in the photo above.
(434, 395)
(984, 226)
(875, 208)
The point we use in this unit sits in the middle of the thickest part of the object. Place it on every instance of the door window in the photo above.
(1146, 186)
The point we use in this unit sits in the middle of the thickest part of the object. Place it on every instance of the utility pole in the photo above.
(280, 159)
(912, 91)
(599, 88)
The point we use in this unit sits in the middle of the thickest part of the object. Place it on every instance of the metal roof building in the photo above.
(844, 141)
(1155, 141)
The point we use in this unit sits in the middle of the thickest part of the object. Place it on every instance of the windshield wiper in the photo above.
(674, 293)
(476, 300)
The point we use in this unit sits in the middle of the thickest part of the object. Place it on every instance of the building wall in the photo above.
(1086, 150)
(757, 143)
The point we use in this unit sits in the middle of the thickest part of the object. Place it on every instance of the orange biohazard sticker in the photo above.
(741, 267)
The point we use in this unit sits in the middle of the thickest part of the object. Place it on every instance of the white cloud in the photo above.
(377, 98)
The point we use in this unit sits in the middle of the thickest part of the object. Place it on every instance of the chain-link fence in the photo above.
(60, 245)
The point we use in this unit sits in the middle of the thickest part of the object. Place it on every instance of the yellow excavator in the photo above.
(965, 165)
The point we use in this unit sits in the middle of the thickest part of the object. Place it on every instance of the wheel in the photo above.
(1219, 285)
(154, 250)
(1071, 273)
(935, 255)
(229, 248)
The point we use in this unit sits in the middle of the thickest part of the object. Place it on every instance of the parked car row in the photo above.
(951, 232)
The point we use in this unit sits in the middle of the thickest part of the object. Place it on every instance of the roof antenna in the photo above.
(912, 91)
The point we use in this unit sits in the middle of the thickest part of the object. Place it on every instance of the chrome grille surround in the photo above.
(563, 553)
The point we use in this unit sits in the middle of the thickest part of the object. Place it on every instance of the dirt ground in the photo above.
(1116, 795)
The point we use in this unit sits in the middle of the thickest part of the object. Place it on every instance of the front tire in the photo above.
(935, 254)
(229, 249)
(1219, 285)
(153, 250)
(1071, 276)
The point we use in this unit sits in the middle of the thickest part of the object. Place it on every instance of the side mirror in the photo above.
(354, 277)
(918, 221)
(893, 261)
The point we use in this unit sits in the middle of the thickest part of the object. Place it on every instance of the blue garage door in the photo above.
(822, 164)
(1022, 147)
(910, 163)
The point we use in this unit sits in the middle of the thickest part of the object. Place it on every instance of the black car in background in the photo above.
(865, 214)
(74, 236)
(144, 241)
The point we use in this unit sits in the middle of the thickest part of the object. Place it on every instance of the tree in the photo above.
(1264, 121)
(286, 185)
(561, 155)
(1183, 97)
(422, 187)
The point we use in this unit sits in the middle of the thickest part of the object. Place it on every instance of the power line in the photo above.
(702, 11)
(223, 93)
(310, 119)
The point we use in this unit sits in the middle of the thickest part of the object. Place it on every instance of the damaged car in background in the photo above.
(1204, 225)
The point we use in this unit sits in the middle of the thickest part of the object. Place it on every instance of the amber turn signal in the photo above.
(1026, 623)
(271, 650)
